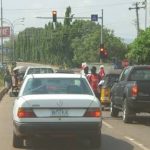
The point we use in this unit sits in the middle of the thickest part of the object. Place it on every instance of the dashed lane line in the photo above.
(107, 125)
(136, 143)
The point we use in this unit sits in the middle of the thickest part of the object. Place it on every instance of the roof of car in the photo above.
(39, 67)
(55, 75)
(139, 66)
(65, 71)
(115, 71)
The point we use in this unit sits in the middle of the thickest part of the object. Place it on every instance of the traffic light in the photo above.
(103, 52)
(54, 14)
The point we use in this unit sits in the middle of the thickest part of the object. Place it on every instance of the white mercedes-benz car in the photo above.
(56, 105)
(38, 70)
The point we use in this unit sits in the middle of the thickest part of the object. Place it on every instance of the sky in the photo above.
(117, 16)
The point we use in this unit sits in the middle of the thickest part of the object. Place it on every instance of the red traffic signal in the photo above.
(54, 14)
(103, 52)
(101, 49)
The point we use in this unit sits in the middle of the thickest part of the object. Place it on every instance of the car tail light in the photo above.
(134, 90)
(93, 112)
(25, 113)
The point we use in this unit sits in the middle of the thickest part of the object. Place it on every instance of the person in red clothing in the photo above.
(86, 72)
(94, 80)
(101, 72)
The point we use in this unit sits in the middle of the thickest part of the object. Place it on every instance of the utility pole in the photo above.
(137, 7)
(145, 4)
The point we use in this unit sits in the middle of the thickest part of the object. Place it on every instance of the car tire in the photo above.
(128, 115)
(17, 141)
(113, 111)
(95, 141)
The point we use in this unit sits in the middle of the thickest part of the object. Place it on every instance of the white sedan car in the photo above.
(56, 105)
(38, 70)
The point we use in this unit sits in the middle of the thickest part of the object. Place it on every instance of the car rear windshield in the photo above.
(110, 79)
(140, 74)
(40, 70)
(57, 86)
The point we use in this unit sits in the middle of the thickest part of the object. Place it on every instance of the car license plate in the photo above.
(59, 113)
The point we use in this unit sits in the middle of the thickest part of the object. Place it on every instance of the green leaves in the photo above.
(70, 43)
(139, 50)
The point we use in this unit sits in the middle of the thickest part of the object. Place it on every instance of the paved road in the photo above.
(115, 134)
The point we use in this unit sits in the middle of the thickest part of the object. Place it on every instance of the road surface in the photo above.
(115, 134)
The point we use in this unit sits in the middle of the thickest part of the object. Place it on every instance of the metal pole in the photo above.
(2, 29)
(145, 14)
(101, 40)
(137, 17)
(102, 28)
(13, 42)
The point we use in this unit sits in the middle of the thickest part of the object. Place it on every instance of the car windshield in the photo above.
(57, 86)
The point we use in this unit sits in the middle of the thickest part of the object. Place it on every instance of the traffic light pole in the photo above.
(102, 28)
(2, 31)
(101, 36)
(101, 42)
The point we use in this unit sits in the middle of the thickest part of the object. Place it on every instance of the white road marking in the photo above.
(107, 125)
(136, 143)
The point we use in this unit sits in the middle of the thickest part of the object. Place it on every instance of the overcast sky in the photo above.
(117, 16)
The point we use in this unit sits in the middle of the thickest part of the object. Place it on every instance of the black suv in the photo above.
(131, 93)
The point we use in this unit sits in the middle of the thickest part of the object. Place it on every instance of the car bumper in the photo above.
(54, 129)
(139, 105)
(105, 100)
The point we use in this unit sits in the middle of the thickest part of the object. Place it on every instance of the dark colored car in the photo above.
(131, 94)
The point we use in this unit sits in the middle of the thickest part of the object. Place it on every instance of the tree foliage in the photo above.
(70, 43)
(139, 50)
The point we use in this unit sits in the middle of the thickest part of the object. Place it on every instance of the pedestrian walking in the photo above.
(86, 72)
(101, 72)
(7, 79)
(94, 80)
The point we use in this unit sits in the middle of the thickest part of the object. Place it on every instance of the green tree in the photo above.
(139, 50)
(67, 44)
(68, 16)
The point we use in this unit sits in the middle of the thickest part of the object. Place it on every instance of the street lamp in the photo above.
(2, 29)
(12, 24)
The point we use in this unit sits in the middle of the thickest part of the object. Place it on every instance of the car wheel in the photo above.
(95, 141)
(127, 113)
(113, 111)
(17, 141)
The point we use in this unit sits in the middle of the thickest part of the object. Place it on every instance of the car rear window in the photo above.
(110, 79)
(57, 86)
(142, 74)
